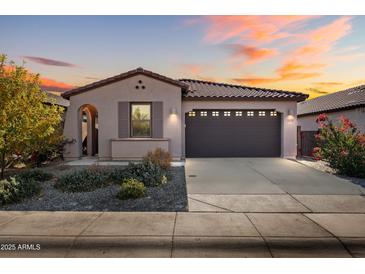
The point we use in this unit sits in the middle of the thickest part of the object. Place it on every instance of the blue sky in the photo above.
(313, 54)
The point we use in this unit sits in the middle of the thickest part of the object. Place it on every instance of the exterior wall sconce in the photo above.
(173, 111)
(290, 115)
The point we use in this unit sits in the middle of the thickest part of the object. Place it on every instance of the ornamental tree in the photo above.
(342, 145)
(27, 124)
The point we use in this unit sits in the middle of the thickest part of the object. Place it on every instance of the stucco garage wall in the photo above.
(288, 127)
(357, 116)
(105, 99)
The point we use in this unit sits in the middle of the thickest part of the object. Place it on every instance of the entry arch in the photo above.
(88, 130)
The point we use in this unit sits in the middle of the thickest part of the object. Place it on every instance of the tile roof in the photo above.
(200, 89)
(122, 76)
(206, 89)
(57, 100)
(349, 98)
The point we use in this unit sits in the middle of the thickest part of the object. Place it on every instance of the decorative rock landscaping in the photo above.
(168, 197)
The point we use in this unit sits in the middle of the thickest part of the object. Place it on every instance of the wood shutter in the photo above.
(123, 119)
(157, 120)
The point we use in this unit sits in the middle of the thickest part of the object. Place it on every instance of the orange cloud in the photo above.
(50, 84)
(292, 70)
(47, 83)
(251, 53)
(328, 83)
(321, 40)
(261, 29)
(290, 76)
(208, 79)
(255, 80)
(196, 71)
(331, 32)
(291, 67)
(191, 68)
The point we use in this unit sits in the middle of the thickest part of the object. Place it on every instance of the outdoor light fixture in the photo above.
(173, 111)
(290, 115)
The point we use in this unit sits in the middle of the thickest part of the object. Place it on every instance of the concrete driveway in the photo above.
(268, 185)
(262, 176)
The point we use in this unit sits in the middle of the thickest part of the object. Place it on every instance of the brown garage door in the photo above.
(233, 133)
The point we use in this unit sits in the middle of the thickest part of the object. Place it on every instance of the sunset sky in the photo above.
(311, 54)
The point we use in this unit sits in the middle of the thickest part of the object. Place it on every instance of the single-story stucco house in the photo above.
(132, 113)
(349, 103)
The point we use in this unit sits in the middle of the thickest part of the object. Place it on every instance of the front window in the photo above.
(140, 120)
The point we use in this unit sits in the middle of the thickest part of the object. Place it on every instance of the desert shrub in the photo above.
(15, 189)
(147, 173)
(36, 174)
(342, 145)
(117, 174)
(131, 189)
(159, 157)
(83, 180)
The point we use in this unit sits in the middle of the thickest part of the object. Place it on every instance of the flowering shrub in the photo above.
(341, 145)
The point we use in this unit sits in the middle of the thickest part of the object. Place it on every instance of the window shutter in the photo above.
(157, 119)
(123, 121)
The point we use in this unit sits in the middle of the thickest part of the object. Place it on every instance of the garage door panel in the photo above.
(234, 136)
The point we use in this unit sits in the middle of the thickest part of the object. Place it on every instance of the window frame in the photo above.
(131, 117)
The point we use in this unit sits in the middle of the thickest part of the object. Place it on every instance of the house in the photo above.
(349, 103)
(132, 113)
(56, 100)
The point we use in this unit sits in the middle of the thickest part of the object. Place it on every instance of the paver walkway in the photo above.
(188, 234)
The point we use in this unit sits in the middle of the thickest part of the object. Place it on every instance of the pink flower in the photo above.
(316, 153)
(344, 153)
(361, 139)
(346, 124)
(322, 118)
(318, 136)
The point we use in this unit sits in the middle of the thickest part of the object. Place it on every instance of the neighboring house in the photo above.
(132, 113)
(349, 103)
(57, 100)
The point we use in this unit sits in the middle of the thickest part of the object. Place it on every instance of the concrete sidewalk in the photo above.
(185, 234)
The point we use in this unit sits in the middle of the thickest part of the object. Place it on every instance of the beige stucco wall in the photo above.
(133, 148)
(105, 99)
(288, 126)
(357, 116)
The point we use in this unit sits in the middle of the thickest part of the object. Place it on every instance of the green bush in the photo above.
(36, 174)
(341, 145)
(117, 174)
(147, 173)
(15, 189)
(131, 189)
(83, 180)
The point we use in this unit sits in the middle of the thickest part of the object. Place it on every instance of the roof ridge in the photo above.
(121, 76)
(240, 86)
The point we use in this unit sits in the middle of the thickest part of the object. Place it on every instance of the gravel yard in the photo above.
(169, 197)
(323, 166)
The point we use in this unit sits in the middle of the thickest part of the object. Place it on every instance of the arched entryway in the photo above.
(88, 130)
